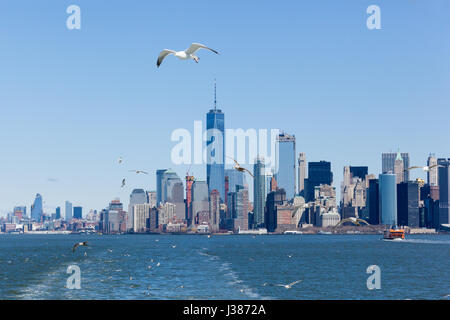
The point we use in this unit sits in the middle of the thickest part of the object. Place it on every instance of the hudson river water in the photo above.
(224, 267)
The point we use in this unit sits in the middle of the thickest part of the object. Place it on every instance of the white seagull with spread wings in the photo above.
(189, 53)
(289, 285)
(425, 168)
(138, 171)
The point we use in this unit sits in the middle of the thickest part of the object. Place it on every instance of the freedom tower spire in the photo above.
(215, 149)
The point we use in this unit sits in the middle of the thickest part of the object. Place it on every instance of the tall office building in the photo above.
(259, 192)
(274, 199)
(215, 150)
(137, 196)
(301, 173)
(318, 173)
(78, 212)
(174, 193)
(388, 162)
(169, 179)
(388, 199)
(200, 198)
(69, 211)
(36, 208)
(152, 198)
(399, 168)
(241, 220)
(432, 174)
(234, 178)
(58, 212)
(269, 176)
(358, 172)
(444, 191)
(214, 210)
(347, 177)
(285, 164)
(373, 200)
(231, 205)
(159, 185)
(189, 182)
(141, 216)
(408, 204)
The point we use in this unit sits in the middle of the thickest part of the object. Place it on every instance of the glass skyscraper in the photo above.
(68, 211)
(78, 212)
(259, 192)
(159, 185)
(285, 167)
(444, 190)
(215, 151)
(36, 208)
(318, 173)
(388, 199)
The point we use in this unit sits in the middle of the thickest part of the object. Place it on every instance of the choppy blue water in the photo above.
(224, 267)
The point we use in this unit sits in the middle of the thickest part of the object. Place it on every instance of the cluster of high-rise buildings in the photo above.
(296, 194)
(38, 220)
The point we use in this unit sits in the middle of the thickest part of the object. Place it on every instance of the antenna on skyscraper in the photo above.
(215, 100)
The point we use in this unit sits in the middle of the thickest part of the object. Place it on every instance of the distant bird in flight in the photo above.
(138, 171)
(189, 53)
(238, 167)
(425, 168)
(120, 160)
(84, 243)
(289, 285)
(123, 183)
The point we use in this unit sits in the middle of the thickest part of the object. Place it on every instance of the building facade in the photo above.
(301, 173)
(285, 164)
(388, 199)
(388, 163)
(259, 192)
(68, 212)
(444, 191)
(215, 151)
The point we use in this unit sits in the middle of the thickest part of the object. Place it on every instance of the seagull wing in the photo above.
(295, 282)
(195, 46)
(144, 172)
(434, 166)
(248, 171)
(75, 246)
(162, 55)
(414, 167)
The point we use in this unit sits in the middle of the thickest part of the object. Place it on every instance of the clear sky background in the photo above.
(73, 101)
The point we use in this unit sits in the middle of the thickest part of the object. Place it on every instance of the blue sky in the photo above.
(73, 101)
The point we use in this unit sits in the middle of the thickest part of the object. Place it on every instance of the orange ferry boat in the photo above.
(394, 234)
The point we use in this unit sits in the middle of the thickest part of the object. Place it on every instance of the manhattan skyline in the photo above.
(74, 101)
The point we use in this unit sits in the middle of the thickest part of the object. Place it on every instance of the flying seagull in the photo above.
(123, 183)
(84, 243)
(425, 168)
(138, 171)
(120, 160)
(289, 285)
(238, 167)
(189, 53)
